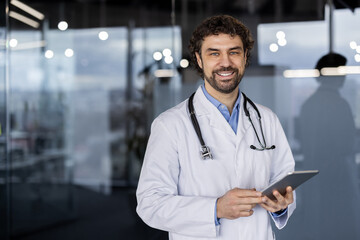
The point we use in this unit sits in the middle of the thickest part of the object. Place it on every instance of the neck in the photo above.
(228, 99)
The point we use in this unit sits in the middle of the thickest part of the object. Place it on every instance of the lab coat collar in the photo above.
(204, 108)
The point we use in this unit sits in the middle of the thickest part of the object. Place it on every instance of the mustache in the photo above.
(225, 69)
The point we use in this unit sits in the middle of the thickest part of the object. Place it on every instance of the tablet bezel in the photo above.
(293, 179)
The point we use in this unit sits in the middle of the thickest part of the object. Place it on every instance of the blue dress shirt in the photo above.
(232, 119)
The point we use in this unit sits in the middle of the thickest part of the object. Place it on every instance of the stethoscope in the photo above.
(205, 150)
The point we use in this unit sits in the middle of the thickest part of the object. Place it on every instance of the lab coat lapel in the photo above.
(244, 123)
(204, 108)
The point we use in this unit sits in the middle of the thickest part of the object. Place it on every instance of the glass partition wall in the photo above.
(4, 161)
(81, 82)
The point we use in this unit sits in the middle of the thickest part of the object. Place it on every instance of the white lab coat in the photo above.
(177, 190)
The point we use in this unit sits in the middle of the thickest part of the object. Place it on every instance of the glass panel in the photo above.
(41, 192)
(321, 119)
(4, 184)
(80, 116)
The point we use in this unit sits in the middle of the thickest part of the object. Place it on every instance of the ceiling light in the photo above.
(349, 69)
(273, 47)
(30, 45)
(165, 73)
(353, 45)
(331, 71)
(169, 59)
(357, 57)
(24, 19)
(13, 43)
(280, 35)
(103, 35)
(184, 63)
(63, 25)
(301, 73)
(69, 52)
(166, 52)
(282, 42)
(27, 9)
(49, 54)
(358, 49)
(157, 56)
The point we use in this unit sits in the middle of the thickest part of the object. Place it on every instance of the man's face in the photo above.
(223, 62)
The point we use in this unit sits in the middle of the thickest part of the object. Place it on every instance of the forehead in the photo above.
(221, 41)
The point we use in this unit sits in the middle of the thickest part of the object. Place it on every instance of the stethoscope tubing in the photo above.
(247, 113)
(205, 150)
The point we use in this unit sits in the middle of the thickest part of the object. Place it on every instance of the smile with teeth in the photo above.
(225, 74)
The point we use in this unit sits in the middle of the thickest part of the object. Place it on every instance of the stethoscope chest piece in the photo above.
(205, 153)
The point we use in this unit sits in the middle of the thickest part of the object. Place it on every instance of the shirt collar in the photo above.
(218, 104)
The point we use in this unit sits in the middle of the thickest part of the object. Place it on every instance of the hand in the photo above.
(237, 203)
(280, 203)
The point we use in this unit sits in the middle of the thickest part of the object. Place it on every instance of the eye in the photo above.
(214, 54)
(234, 53)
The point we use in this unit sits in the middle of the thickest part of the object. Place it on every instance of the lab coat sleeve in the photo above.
(283, 164)
(281, 222)
(159, 203)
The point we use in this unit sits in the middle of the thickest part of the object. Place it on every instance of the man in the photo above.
(192, 198)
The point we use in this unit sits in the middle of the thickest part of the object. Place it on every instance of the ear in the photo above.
(198, 58)
(245, 56)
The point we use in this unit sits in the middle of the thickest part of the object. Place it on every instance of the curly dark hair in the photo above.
(214, 26)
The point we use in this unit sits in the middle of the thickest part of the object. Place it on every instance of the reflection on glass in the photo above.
(327, 137)
(73, 119)
(321, 119)
(4, 183)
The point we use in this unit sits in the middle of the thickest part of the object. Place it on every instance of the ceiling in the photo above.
(145, 13)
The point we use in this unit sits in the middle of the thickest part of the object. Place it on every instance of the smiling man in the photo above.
(222, 59)
(215, 194)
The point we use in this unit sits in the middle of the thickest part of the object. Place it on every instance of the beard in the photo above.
(231, 84)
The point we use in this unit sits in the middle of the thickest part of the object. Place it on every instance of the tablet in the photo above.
(292, 179)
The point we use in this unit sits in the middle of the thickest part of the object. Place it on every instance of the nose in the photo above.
(225, 60)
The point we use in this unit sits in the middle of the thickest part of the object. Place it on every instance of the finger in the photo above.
(267, 207)
(246, 207)
(246, 213)
(271, 205)
(249, 200)
(268, 201)
(240, 212)
(247, 203)
(282, 202)
(235, 215)
(246, 192)
(278, 196)
(289, 195)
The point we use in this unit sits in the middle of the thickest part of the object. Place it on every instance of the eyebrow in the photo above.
(236, 48)
(230, 49)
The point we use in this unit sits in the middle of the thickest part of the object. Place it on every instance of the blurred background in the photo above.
(82, 80)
